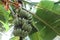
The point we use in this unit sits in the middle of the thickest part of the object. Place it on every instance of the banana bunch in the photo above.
(23, 24)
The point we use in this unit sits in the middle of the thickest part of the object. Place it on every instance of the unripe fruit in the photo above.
(23, 24)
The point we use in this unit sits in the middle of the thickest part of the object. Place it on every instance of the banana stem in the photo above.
(21, 38)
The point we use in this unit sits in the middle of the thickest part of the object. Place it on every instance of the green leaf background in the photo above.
(4, 16)
(50, 14)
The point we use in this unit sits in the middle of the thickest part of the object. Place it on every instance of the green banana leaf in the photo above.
(56, 8)
(48, 23)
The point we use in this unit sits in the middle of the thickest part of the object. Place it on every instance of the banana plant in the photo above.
(42, 25)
